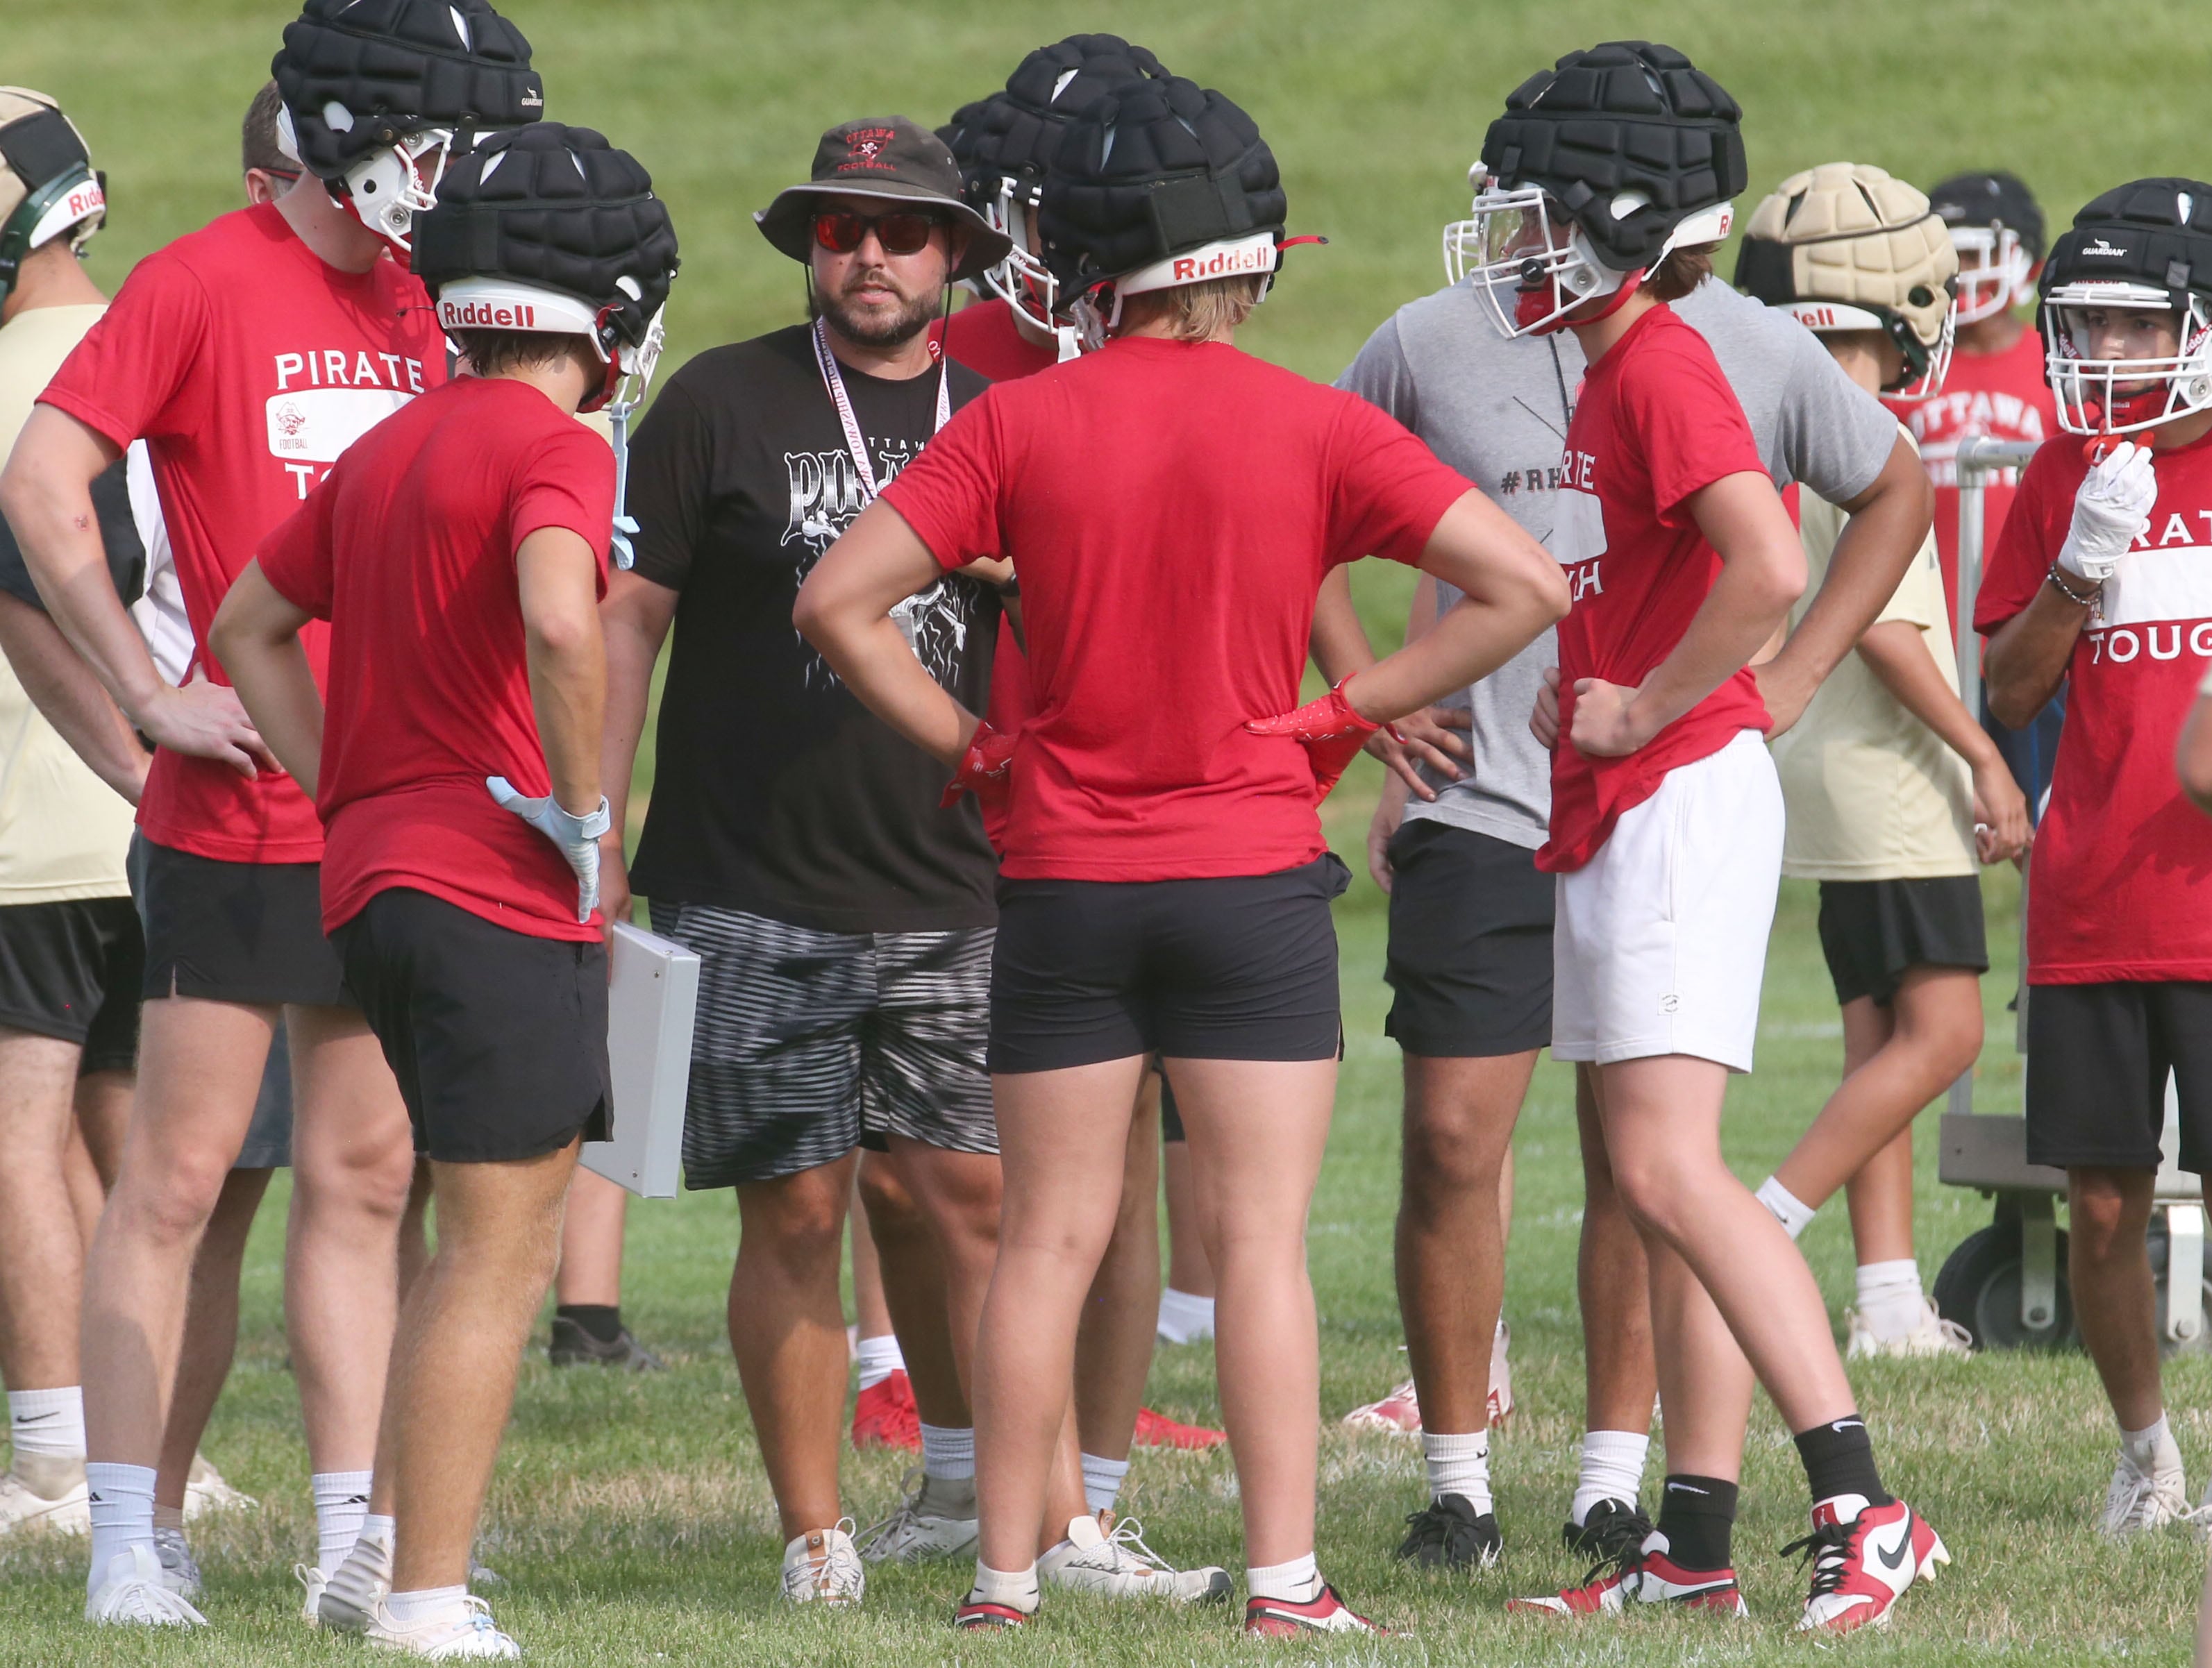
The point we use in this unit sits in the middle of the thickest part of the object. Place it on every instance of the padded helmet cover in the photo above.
(1626, 116)
(395, 66)
(1014, 133)
(1847, 232)
(557, 207)
(1158, 168)
(2156, 233)
(1990, 199)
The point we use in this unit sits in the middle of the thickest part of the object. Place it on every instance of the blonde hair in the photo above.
(1196, 312)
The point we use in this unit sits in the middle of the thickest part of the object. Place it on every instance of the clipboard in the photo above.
(651, 1002)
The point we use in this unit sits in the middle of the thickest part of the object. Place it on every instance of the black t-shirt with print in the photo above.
(774, 791)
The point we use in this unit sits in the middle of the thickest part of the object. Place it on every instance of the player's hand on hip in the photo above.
(2001, 829)
(1605, 724)
(576, 838)
(982, 771)
(2111, 506)
(207, 721)
(1785, 700)
(1435, 737)
(1544, 719)
(1329, 728)
(1382, 827)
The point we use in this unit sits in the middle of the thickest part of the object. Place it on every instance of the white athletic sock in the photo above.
(948, 1454)
(122, 1502)
(1102, 1481)
(1890, 1300)
(1016, 1587)
(878, 1359)
(49, 1422)
(426, 1603)
(1459, 1465)
(2152, 1448)
(1185, 1319)
(1612, 1469)
(382, 1528)
(1297, 1582)
(1792, 1212)
(341, 1502)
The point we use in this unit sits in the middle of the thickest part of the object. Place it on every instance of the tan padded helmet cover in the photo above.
(16, 103)
(1861, 237)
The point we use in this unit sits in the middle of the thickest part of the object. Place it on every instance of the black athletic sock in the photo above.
(1839, 1460)
(1696, 1514)
(602, 1322)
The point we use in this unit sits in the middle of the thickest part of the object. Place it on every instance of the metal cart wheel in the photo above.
(1979, 1288)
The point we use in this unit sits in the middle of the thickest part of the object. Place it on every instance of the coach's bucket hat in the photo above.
(889, 157)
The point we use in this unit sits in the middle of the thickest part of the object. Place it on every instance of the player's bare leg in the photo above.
(41, 1253)
(958, 1195)
(103, 1114)
(210, 1342)
(2115, 1300)
(1114, 1345)
(1620, 1377)
(911, 1279)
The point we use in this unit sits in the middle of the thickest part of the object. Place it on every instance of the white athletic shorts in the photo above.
(1661, 940)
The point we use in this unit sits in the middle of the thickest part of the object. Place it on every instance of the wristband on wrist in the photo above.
(2080, 600)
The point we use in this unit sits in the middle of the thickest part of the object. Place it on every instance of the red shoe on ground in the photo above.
(1282, 1618)
(1156, 1430)
(1646, 1576)
(884, 1415)
(1864, 1558)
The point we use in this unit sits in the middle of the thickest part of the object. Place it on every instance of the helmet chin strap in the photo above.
(1606, 306)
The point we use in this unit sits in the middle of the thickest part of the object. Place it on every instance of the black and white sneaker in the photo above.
(572, 1346)
(1609, 1530)
(1449, 1534)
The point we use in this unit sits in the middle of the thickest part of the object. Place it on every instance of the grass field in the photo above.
(630, 1517)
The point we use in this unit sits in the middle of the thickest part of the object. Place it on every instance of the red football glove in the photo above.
(1329, 730)
(982, 769)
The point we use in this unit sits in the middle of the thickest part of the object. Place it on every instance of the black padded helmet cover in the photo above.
(1014, 134)
(1996, 199)
(2152, 232)
(1626, 116)
(391, 67)
(1158, 168)
(557, 207)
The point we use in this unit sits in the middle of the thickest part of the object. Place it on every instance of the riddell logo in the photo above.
(84, 200)
(2101, 247)
(1224, 263)
(487, 315)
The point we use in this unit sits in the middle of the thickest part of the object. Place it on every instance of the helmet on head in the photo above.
(1997, 226)
(2143, 248)
(1008, 143)
(1600, 167)
(1164, 184)
(48, 186)
(550, 229)
(1845, 247)
(375, 91)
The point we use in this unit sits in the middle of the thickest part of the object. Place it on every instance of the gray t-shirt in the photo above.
(1496, 410)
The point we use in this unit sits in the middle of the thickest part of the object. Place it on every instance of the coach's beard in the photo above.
(878, 327)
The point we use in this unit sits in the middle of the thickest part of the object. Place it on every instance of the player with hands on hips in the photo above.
(576, 838)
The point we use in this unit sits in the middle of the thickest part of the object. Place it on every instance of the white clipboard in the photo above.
(651, 1004)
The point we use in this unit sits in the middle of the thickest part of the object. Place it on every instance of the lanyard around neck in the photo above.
(833, 381)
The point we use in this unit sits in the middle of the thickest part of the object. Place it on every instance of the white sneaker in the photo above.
(205, 1491)
(42, 1494)
(2139, 1500)
(313, 1580)
(180, 1571)
(936, 1520)
(822, 1567)
(1120, 1564)
(131, 1594)
(349, 1600)
(1932, 1336)
(465, 1633)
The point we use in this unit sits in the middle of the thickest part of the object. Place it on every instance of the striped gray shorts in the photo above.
(808, 1044)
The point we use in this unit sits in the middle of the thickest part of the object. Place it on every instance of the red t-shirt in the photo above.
(1172, 508)
(2002, 395)
(408, 550)
(247, 365)
(983, 337)
(1654, 423)
(2121, 886)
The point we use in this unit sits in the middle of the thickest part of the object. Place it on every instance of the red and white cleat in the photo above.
(1286, 1618)
(973, 1615)
(1156, 1430)
(884, 1416)
(1645, 1576)
(1398, 1413)
(1864, 1558)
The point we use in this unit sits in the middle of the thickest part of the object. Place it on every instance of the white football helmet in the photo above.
(1996, 272)
(2120, 396)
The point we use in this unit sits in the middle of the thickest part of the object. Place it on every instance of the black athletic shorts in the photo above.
(498, 1039)
(2098, 1056)
(1872, 930)
(1240, 967)
(71, 970)
(235, 931)
(1470, 958)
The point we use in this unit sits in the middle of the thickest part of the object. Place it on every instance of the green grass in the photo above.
(631, 1517)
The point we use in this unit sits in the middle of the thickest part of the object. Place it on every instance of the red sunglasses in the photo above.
(901, 232)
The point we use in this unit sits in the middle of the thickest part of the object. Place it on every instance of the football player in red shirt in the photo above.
(1165, 887)
(1666, 830)
(2102, 584)
(249, 356)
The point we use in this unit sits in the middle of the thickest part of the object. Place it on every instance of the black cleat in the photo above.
(1446, 1534)
(1610, 1531)
(573, 1346)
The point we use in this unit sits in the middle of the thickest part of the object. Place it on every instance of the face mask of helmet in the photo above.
(388, 187)
(1993, 271)
(2109, 395)
(1021, 281)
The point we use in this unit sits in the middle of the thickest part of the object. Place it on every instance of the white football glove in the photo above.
(576, 838)
(2112, 504)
